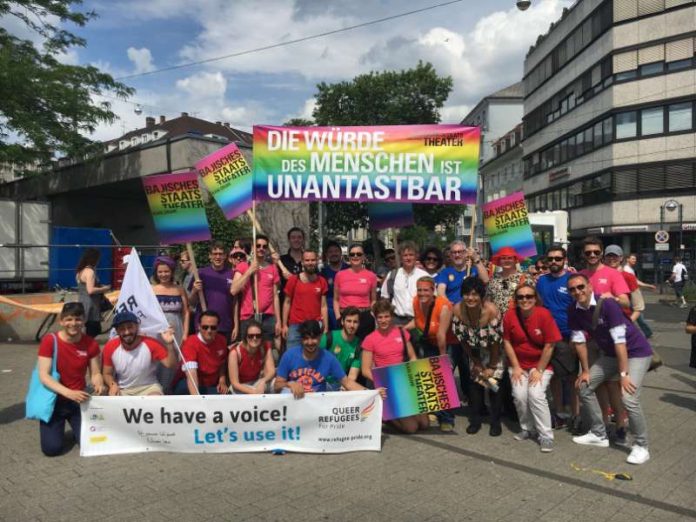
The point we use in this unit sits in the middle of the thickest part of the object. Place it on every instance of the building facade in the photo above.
(609, 124)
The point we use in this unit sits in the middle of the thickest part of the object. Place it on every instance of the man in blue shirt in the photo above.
(306, 368)
(449, 280)
(334, 264)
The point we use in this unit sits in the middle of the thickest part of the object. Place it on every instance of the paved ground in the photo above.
(426, 477)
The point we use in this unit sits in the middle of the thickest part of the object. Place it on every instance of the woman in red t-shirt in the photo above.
(529, 334)
(76, 352)
(388, 345)
(250, 364)
(356, 286)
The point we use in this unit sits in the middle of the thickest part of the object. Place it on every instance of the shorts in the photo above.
(146, 389)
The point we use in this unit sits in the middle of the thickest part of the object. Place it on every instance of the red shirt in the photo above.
(607, 279)
(249, 366)
(542, 329)
(387, 349)
(207, 358)
(355, 288)
(305, 298)
(73, 358)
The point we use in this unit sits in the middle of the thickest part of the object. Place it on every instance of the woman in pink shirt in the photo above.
(387, 345)
(356, 286)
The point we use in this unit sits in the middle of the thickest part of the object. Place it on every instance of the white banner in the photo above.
(335, 422)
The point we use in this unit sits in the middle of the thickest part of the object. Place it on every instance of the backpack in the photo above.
(391, 277)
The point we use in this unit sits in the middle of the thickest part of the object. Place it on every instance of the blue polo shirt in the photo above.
(553, 291)
(452, 278)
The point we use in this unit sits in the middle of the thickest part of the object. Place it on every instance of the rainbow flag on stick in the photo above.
(228, 177)
(177, 207)
(421, 386)
(507, 224)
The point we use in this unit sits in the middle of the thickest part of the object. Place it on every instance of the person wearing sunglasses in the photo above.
(356, 286)
(606, 281)
(624, 354)
(432, 260)
(204, 368)
(529, 336)
(250, 364)
(237, 255)
(257, 285)
(388, 264)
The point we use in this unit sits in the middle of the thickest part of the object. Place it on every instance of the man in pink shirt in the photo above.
(606, 281)
(258, 282)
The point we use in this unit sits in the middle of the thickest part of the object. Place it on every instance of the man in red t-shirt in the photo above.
(130, 360)
(205, 358)
(75, 352)
(305, 299)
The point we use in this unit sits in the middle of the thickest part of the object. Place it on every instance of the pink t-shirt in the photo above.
(387, 349)
(355, 288)
(607, 279)
(267, 276)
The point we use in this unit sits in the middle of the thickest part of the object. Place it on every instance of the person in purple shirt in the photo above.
(215, 281)
(623, 352)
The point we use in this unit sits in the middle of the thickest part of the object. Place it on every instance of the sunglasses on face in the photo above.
(525, 297)
(238, 256)
(208, 327)
(433, 259)
(577, 288)
(261, 245)
(355, 254)
(254, 336)
(590, 253)
(556, 259)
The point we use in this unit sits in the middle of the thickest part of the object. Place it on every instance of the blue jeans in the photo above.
(181, 388)
(294, 337)
(643, 325)
(52, 432)
(429, 350)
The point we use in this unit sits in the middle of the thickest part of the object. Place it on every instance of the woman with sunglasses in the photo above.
(356, 286)
(250, 364)
(476, 323)
(501, 287)
(529, 337)
(432, 261)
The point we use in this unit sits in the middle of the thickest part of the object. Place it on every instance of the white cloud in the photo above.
(141, 58)
(205, 85)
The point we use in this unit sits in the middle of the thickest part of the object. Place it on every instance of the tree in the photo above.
(385, 98)
(47, 107)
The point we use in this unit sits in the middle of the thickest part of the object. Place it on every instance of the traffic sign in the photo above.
(664, 247)
(662, 236)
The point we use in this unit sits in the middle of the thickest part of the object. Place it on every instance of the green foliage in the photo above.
(47, 106)
(298, 122)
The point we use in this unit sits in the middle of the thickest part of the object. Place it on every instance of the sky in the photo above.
(480, 44)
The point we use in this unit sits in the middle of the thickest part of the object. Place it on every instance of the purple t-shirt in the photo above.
(216, 288)
(610, 316)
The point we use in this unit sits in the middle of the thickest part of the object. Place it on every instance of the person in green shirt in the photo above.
(344, 345)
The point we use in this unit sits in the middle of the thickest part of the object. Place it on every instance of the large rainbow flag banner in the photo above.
(390, 215)
(421, 386)
(228, 177)
(507, 224)
(177, 207)
(435, 164)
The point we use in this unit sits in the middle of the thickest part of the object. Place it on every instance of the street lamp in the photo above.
(670, 206)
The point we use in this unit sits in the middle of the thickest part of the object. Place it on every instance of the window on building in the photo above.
(652, 68)
(598, 135)
(580, 143)
(680, 116)
(626, 125)
(571, 147)
(652, 121)
(679, 64)
(588, 140)
(608, 130)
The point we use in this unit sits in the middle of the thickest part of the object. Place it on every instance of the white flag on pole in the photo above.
(137, 297)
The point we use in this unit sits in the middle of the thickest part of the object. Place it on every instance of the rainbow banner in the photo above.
(228, 177)
(177, 207)
(435, 164)
(421, 386)
(507, 224)
(390, 215)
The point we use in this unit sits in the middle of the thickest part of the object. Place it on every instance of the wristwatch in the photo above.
(623, 374)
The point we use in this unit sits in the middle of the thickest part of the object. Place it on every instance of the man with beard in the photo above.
(130, 360)
(305, 299)
(334, 264)
(607, 282)
(400, 284)
(344, 344)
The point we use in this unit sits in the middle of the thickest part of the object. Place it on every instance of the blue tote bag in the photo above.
(41, 401)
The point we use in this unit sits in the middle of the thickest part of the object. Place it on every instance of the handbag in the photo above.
(40, 400)
(105, 305)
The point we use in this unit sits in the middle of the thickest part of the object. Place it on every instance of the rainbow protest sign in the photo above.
(177, 207)
(435, 164)
(228, 177)
(421, 386)
(390, 215)
(507, 224)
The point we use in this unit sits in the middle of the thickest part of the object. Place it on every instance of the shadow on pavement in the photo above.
(682, 402)
(685, 380)
(12, 413)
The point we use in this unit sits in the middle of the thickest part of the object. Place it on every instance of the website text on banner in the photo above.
(434, 164)
(336, 422)
(228, 177)
(177, 207)
(422, 386)
(507, 224)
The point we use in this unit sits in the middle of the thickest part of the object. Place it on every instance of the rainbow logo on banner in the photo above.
(177, 207)
(421, 386)
(228, 177)
(507, 224)
(435, 164)
(390, 215)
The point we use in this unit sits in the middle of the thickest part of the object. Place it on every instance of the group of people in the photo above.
(255, 322)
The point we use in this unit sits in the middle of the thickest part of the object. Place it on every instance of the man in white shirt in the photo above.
(400, 283)
(678, 279)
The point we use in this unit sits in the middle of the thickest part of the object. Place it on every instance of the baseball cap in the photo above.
(613, 249)
(124, 317)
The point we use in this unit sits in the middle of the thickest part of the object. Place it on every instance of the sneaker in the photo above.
(432, 418)
(446, 427)
(620, 436)
(558, 422)
(590, 439)
(639, 455)
(546, 445)
(524, 435)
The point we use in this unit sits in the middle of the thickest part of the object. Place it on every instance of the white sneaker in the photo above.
(639, 455)
(590, 439)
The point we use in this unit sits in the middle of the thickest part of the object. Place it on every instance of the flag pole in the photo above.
(253, 235)
(257, 226)
(187, 372)
(194, 269)
(472, 241)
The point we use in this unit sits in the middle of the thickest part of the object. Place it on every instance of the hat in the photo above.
(506, 251)
(237, 250)
(124, 317)
(613, 249)
(164, 260)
